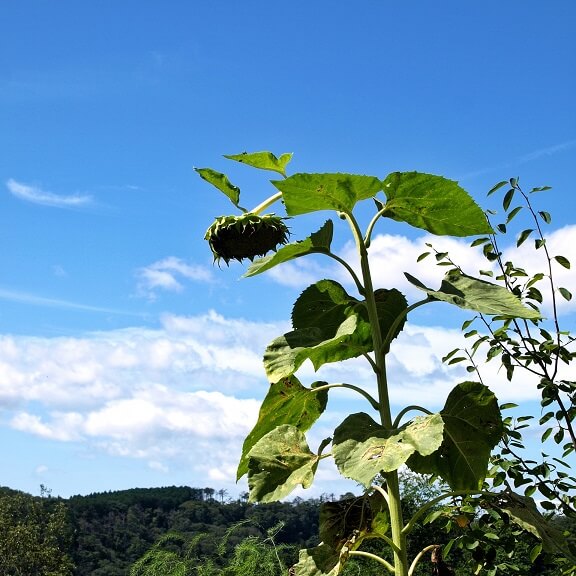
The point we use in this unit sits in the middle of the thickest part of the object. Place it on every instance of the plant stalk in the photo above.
(268, 202)
(392, 483)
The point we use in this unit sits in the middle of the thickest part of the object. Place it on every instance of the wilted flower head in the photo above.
(246, 236)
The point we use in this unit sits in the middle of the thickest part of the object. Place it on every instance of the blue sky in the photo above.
(126, 358)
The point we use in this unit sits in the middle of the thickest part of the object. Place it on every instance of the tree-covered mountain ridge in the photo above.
(103, 534)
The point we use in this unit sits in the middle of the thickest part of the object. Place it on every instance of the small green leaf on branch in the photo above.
(545, 216)
(221, 182)
(497, 187)
(566, 294)
(563, 261)
(523, 237)
(263, 160)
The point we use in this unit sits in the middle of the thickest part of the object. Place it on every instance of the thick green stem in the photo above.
(392, 483)
(268, 202)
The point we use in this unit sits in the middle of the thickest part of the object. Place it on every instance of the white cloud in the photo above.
(393, 255)
(390, 256)
(150, 412)
(178, 395)
(167, 274)
(187, 393)
(38, 196)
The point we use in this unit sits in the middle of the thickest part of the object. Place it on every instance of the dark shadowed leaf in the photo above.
(329, 326)
(353, 519)
(524, 512)
(472, 427)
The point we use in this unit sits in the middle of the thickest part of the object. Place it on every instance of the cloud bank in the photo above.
(187, 393)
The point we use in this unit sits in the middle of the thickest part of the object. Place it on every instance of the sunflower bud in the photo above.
(245, 236)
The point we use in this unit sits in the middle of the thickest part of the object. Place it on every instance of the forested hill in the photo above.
(105, 533)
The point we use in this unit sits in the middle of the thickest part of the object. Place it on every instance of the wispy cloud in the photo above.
(518, 161)
(549, 151)
(35, 300)
(38, 196)
(167, 274)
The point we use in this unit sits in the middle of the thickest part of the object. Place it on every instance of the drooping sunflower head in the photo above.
(246, 236)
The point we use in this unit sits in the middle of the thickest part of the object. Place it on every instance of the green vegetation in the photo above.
(34, 535)
(453, 446)
(141, 532)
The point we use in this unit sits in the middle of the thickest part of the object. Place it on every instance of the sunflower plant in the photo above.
(330, 325)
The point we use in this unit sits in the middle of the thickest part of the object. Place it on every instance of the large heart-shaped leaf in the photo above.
(329, 326)
(362, 448)
(317, 242)
(433, 203)
(279, 462)
(472, 427)
(287, 402)
(303, 193)
(479, 295)
(263, 160)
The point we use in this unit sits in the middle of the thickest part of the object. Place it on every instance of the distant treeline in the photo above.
(103, 534)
